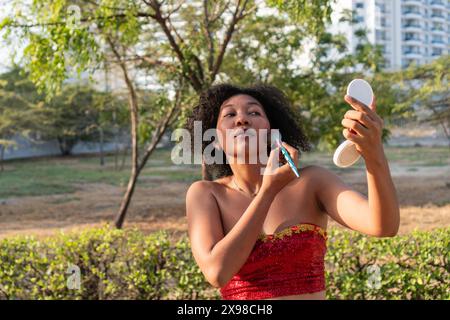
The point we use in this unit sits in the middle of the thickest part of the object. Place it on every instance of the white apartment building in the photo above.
(407, 30)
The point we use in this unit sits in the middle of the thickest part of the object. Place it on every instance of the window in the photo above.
(380, 35)
(360, 5)
(437, 39)
(381, 7)
(411, 36)
(437, 13)
(436, 52)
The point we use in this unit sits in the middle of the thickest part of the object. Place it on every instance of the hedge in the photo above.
(118, 264)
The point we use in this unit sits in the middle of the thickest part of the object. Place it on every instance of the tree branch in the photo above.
(209, 37)
(132, 102)
(161, 128)
(86, 19)
(195, 82)
(237, 15)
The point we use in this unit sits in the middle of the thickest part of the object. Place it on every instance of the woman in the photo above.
(263, 236)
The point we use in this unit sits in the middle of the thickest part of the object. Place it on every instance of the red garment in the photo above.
(286, 263)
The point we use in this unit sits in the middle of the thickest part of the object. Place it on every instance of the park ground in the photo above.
(45, 196)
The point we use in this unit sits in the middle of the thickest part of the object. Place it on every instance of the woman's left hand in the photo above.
(364, 127)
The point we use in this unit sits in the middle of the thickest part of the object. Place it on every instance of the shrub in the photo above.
(118, 264)
(413, 266)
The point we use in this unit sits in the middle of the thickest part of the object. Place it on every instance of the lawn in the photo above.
(60, 175)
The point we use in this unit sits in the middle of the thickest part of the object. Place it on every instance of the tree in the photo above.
(261, 53)
(18, 101)
(77, 113)
(429, 91)
(182, 45)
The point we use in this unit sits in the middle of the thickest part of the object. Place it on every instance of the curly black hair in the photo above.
(276, 106)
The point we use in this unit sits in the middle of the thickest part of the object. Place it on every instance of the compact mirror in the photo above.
(346, 154)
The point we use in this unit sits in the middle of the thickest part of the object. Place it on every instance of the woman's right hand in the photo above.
(275, 178)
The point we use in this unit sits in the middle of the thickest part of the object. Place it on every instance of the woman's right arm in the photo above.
(220, 257)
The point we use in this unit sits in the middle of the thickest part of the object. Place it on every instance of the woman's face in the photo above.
(241, 118)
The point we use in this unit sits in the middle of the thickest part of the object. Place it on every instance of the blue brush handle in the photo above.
(288, 159)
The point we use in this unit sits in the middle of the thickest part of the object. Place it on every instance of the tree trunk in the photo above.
(66, 145)
(159, 132)
(126, 199)
(102, 156)
(133, 104)
(116, 143)
(2, 149)
(134, 152)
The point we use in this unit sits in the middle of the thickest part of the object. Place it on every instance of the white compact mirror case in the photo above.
(346, 154)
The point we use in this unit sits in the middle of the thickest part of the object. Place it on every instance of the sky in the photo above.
(5, 49)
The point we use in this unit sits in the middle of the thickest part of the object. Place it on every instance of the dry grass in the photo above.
(424, 200)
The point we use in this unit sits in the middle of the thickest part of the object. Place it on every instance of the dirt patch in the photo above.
(424, 201)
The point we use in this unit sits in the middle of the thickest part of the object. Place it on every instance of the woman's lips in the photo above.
(243, 132)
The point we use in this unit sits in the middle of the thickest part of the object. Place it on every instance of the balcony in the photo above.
(412, 3)
(438, 30)
(412, 14)
(438, 4)
(438, 16)
(436, 54)
(412, 27)
(412, 54)
(438, 43)
(413, 41)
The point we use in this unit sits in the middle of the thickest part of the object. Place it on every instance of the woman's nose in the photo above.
(242, 119)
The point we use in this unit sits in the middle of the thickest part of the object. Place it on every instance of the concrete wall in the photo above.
(28, 149)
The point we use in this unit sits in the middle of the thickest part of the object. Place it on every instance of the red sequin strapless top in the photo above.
(289, 262)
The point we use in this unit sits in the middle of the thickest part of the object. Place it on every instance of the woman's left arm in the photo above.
(379, 215)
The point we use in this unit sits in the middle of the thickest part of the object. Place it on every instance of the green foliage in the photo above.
(114, 264)
(118, 264)
(301, 11)
(261, 48)
(18, 102)
(428, 88)
(264, 51)
(77, 113)
(414, 266)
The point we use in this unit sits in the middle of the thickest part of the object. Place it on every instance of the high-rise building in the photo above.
(407, 30)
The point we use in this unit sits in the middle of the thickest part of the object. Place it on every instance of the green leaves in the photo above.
(118, 264)
(114, 264)
(411, 266)
(311, 14)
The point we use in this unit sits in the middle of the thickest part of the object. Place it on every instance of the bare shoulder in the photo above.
(203, 188)
(199, 186)
(200, 199)
(317, 173)
(318, 177)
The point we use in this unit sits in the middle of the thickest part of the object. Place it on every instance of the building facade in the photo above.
(407, 30)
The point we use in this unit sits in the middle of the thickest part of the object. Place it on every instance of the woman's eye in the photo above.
(229, 114)
(255, 112)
